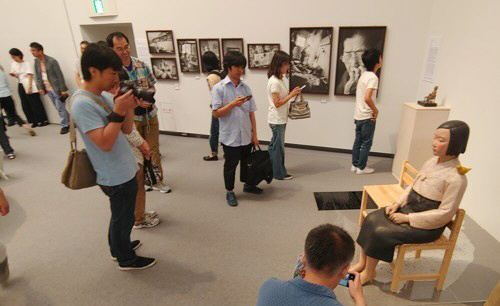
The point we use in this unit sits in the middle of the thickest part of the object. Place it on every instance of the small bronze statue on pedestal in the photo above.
(429, 100)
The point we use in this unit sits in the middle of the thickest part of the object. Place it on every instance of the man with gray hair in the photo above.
(328, 252)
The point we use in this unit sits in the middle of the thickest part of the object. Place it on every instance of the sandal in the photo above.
(210, 157)
(11, 156)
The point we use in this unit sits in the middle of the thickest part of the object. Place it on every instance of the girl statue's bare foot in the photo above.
(359, 267)
(366, 277)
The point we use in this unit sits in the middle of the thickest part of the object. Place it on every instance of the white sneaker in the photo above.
(366, 170)
(162, 188)
(353, 169)
(148, 222)
(150, 214)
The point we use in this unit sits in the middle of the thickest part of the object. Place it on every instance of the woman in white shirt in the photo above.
(421, 213)
(278, 97)
(28, 92)
(211, 64)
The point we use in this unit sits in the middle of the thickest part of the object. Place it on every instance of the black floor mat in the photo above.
(341, 200)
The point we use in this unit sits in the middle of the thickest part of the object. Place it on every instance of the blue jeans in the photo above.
(214, 135)
(122, 200)
(61, 108)
(277, 150)
(363, 142)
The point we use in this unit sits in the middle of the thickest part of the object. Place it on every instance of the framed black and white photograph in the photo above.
(260, 55)
(311, 52)
(161, 42)
(209, 44)
(232, 44)
(188, 55)
(164, 68)
(353, 42)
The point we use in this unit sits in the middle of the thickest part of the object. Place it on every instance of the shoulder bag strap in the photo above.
(72, 133)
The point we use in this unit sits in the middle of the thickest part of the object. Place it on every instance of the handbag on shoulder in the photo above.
(299, 109)
(78, 172)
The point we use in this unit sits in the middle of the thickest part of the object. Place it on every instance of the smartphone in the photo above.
(303, 87)
(248, 97)
(345, 282)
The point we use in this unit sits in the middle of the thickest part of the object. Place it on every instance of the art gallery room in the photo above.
(436, 73)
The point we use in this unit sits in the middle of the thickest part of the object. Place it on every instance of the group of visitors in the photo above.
(121, 134)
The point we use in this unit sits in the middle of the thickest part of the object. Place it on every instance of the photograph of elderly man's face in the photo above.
(353, 42)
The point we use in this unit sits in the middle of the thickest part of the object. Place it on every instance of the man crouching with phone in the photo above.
(233, 104)
(102, 125)
(328, 252)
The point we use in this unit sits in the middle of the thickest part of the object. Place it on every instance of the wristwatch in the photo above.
(114, 117)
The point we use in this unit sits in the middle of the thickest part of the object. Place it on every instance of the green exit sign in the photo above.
(98, 6)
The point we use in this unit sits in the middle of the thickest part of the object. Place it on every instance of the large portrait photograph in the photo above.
(260, 55)
(353, 42)
(209, 44)
(188, 55)
(161, 42)
(311, 51)
(164, 68)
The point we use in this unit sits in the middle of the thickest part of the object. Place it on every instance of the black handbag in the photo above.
(152, 174)
(259, 167)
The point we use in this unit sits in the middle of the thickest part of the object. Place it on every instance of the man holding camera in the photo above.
(102, 125)
(146, 120)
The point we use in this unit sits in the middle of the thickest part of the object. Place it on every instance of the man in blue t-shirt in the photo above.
(327, 255)
(102, 125)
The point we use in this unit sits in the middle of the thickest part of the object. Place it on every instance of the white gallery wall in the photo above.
(258, 21)
(467, 69)
(468, 74)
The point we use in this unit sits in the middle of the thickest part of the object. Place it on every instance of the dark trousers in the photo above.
(32, 106)
(363, 142)
(232, 156)
(122, 200)
(10, 109)
(25, 104)
(4, 140)
(214, 135)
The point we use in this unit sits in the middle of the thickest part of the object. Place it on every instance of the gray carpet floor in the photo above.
(208, 253)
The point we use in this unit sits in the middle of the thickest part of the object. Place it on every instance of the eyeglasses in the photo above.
(126, 48)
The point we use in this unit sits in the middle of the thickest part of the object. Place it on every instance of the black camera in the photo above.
(142, 93)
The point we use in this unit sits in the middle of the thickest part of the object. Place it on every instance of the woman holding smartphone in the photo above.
(278, 97)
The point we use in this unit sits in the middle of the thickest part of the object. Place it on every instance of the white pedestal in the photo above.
(416, 132)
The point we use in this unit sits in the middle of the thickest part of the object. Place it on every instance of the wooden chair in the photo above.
(443, 243)
(385, 195)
